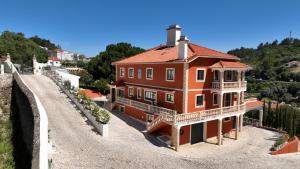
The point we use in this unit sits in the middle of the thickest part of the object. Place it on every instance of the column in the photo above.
(204, 131)
(220, 131)
(221, 78)
(221, 102)
(239, 77)
(241, 122)
(1, 69)
(261, 116)
(236, 126)
(238, 100)
(175, 137)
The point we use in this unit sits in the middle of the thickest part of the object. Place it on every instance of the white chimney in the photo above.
(183, 47)
(173, 35)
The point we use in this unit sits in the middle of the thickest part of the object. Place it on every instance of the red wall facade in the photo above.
(290, 147)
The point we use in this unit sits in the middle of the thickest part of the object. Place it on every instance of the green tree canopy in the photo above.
(44, 43)
(269, 59)
(100, 66)
(21, 49)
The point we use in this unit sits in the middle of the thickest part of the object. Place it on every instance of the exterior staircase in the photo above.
(158, 123)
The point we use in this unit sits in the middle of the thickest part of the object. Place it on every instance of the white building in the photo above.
(61, 54)
(74, 80)
(54, 61)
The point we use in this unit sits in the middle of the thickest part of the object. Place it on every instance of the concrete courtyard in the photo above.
(77, 145)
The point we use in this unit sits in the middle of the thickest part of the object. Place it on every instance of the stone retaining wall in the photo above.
(30, 121)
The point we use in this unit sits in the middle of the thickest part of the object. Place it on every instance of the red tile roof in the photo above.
(169, 54)
(53, 58)
(254, 104)
(229, 64)
(90, 93)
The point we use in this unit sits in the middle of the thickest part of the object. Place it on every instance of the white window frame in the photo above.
(167, 74)
(147, 90)
(129, 91)
(130, 68)
(122, 89)
(196, 100)
(152, 73)
(139, 90)
(204, 74)
(215, 94)
(122, 69)
(166, 98)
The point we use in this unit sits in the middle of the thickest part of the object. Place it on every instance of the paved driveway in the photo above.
(76, 145)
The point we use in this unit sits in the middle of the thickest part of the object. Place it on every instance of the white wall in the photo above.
(72, 78)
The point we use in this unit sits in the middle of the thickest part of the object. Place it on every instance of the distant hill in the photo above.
(273, 61)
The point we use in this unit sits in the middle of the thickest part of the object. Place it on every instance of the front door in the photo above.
(197, 133)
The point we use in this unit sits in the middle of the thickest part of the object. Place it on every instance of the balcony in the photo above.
(211, 114)
(145, 107)
(171, 117)
(230, 85)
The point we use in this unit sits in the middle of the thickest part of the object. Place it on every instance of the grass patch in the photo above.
(6, 144)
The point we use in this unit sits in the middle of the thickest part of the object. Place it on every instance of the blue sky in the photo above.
(87, 26)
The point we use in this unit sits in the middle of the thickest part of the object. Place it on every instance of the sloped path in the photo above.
(76, 145)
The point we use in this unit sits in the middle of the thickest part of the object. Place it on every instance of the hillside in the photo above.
(276, 70)
(272, 61)
(23, 49)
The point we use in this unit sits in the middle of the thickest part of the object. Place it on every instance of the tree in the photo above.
(21, 49)
(101, 86)
(100, 66)
(44, 43)
(86, 79)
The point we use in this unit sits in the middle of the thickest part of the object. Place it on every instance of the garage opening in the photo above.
(197, 133)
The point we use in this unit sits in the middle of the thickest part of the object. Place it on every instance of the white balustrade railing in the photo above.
(209, 114)
(171, 117)
(145, 107)
(229, 85)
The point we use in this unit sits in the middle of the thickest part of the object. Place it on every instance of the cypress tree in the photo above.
(269, 114)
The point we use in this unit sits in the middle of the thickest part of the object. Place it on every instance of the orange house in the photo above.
(181, 90)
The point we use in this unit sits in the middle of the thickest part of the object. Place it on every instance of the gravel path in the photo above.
(76, 145)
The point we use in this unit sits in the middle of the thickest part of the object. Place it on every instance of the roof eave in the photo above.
(212, 57)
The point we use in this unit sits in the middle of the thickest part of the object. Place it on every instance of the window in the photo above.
(139, 93)
(130, 91)
(120, 92)
(215, 99)
(228, 97)
(122, 72)
(122, 109)
(150, 95)
(170, 97)
(200, 100)
(170, 74)
(200, 75)
(216, 75)
(149, 73)
(130, 72)
(226, 119)
(139, 73)
(228, 75)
